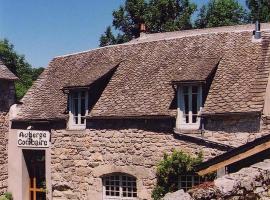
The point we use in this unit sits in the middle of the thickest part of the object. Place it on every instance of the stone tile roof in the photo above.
(5, 73)
(199, 69)
(241, 78)
(141, 85)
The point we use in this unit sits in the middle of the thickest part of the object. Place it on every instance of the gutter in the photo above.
(221, 146)
(254, 113)
(132, 117)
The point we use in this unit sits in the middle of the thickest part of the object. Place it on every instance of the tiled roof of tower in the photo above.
(141, 85)
(5, 73)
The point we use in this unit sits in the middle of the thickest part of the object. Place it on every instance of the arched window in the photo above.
(119, 187)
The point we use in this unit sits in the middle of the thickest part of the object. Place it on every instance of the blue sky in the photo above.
(43, 29)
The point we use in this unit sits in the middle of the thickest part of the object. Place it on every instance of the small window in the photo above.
(189, 106)
(186, 182)
(78, 109)
(119, 187)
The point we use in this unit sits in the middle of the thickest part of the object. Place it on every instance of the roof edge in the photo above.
(132, 117)
(230, 113)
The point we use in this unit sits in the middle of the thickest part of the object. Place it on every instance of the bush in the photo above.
(170, 168)
(6, 196)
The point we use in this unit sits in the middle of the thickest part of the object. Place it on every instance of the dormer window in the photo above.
(189, 107)
(78, 109)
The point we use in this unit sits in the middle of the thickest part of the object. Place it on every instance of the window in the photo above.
(189, 106)
(78, 109)
(186, 182)
(119, 187)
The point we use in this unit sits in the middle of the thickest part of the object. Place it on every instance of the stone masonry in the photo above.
(3, 152)
(7, 98)
(80, 158)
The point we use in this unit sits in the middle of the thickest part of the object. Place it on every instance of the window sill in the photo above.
(76, 128)
(187, 131)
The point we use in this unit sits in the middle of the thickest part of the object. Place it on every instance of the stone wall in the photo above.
(80, 158)
(247, 184)
(233, 123)
(7, 98)
(3, 152)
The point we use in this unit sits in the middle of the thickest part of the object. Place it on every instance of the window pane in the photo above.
(75, 95)
(129, 186)
(189, 185)
(76, 120)
(189, 178)
(194, 108)
(75, 107)
(183, 184)
(186, 104)
(82, 120)
(194, 89)
(83, 94)
(83, 107)
(194, 104)
(185, 89)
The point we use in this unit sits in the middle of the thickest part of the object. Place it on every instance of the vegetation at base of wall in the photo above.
(6, 196)
(170, 168)
(174, 15)
(19, 66)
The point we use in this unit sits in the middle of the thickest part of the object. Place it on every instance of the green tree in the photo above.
(107, 38)
(221, 13)
(19, 66)
(158, 15)
(259, 9)
(169, 15)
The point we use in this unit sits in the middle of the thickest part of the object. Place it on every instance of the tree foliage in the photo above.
(171, 167)
(169, 15)
(221, 13)
(158, 15)
(173, 15)
(259, 9)
(19, 66)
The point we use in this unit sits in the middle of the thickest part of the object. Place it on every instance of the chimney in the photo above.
(142, 30)
(257, 32)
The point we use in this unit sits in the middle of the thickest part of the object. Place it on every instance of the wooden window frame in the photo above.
(180, 121)
(120, 197)
(192, 181)
(72, 124)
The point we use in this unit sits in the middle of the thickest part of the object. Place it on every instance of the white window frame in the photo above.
(193, 180)
(120, 197)
(72, 123)
(180, 121)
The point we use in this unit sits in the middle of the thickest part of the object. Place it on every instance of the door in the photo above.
(35, 160)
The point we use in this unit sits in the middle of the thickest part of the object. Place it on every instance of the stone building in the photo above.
(7, 98)
(96, 123)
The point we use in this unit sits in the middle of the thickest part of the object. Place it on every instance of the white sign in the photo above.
(33, 138)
